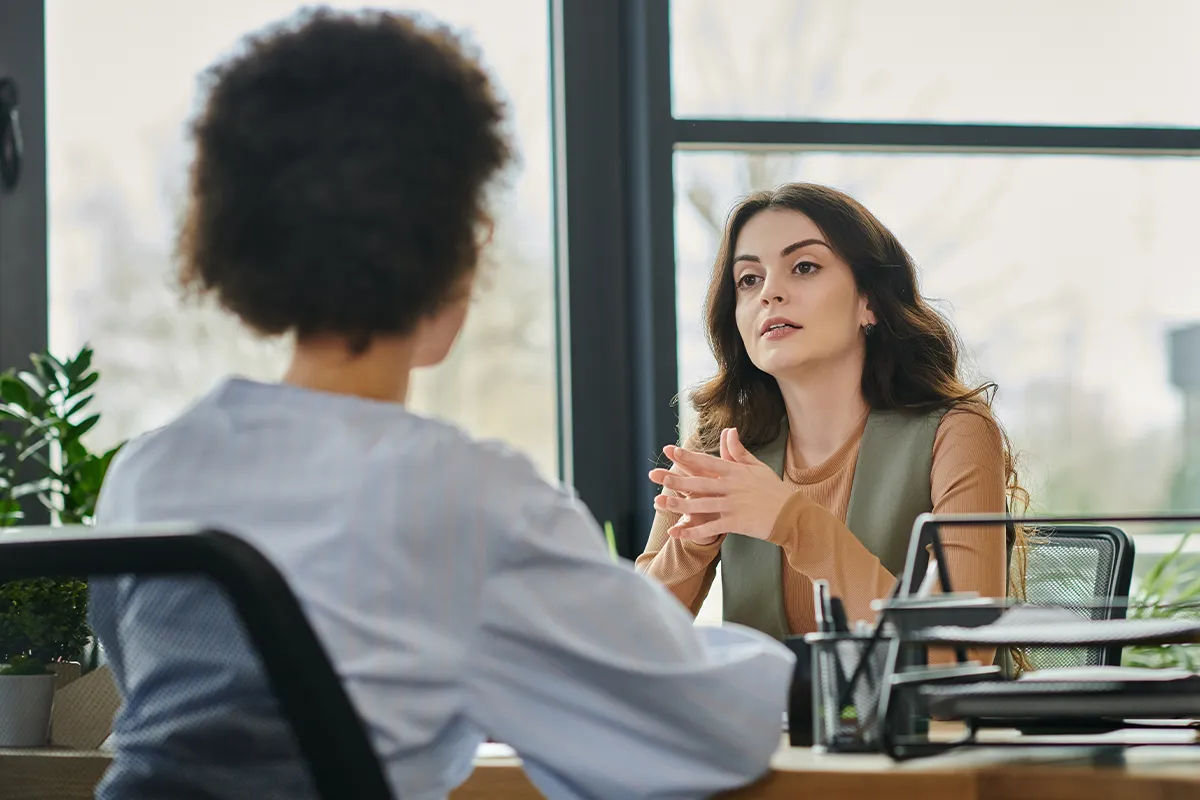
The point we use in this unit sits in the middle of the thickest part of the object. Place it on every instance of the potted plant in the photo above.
(43, 621)
(1170, 590)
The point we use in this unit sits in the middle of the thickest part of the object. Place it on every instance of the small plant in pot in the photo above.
(43, 621)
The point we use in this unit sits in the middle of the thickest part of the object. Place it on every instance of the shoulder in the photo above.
(454, 454)
(968, 433)
(494, 483)
(968, 422)
(135, 458)
(497, 504)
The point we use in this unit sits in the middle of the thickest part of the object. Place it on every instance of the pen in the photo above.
(821, 606)
(837, 616)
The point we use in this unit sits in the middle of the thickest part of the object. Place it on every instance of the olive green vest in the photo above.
(891, 488)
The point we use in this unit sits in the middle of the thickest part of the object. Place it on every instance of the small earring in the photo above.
(869, 328)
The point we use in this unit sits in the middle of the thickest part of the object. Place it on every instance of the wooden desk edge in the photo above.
(75, 773)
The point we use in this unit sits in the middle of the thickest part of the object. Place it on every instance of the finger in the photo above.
(726, 455)
(691, 505)
(680, 469)
(686, 484)
(702, 462)
(738, 450)
(685, 522)
(704, 530)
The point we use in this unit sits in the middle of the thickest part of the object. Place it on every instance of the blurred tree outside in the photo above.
(159, 351)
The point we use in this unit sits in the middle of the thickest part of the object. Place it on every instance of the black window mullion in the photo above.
(902, 137)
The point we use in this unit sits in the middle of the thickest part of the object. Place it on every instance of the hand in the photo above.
(735, 493)
(686, 521)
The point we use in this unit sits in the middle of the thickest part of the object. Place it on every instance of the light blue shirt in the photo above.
(457, 593)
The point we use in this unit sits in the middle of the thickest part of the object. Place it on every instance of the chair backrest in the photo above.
(328, 731)
(1078, 567)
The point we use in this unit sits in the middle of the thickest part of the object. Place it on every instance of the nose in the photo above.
(774, 289)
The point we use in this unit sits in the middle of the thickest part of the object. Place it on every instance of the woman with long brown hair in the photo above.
(836, 416)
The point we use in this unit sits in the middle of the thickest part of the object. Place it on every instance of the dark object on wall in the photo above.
(1184, 348)
(10, 135)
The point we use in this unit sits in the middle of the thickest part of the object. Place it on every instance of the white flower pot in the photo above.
(25, 704)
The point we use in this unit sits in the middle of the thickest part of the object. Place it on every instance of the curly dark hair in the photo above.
(341, 172)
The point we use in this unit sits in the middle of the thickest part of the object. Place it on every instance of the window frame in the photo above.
(24, 307)
(24, 292)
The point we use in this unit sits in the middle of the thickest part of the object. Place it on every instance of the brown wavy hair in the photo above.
(912, 358)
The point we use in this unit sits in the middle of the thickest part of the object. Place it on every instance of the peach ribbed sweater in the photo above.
(967, 476)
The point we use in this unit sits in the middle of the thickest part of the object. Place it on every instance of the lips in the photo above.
(777, 323)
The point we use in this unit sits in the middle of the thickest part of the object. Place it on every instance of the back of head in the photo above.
(339, 184)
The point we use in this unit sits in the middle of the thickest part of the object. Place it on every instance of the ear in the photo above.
(865, 315)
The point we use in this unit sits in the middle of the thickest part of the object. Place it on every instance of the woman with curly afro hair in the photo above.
(338, 197)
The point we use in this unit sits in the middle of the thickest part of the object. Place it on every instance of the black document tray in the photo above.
(1156, 699)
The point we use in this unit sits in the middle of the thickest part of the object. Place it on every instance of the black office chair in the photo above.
(328, 732)
(1077, 567)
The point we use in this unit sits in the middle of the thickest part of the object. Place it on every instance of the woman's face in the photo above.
(798, 307)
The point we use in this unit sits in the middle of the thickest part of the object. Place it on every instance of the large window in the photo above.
(1039, 160)
(1065, 277)
(1068, 276)
(1066, 62)
(1043, 175)
(121, 86)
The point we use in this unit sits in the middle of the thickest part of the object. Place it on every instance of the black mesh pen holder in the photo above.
(845, 716)
(848, 674)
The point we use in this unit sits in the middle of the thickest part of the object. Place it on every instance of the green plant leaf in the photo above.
(34, 487)
(80, 363)
(1172, 582)
(78, 405)
(13, 391)
(10, 512)
(35, 385)
(34, 449)
(1155, 573)
(85, 426)
(49, 370)
(611, 538)
(73, 450)
(43, 619)
(83, 384)
(16, 413)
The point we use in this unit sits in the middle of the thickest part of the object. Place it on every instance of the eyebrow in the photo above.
(791, 248)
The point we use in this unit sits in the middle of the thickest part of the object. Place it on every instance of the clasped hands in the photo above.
(735, 493)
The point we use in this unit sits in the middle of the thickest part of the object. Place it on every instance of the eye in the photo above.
(806, 267)
(747, 280)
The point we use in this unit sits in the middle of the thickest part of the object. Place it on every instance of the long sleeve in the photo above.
(967, 476)
(684, 567)
(598, 678)
(818, 545)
